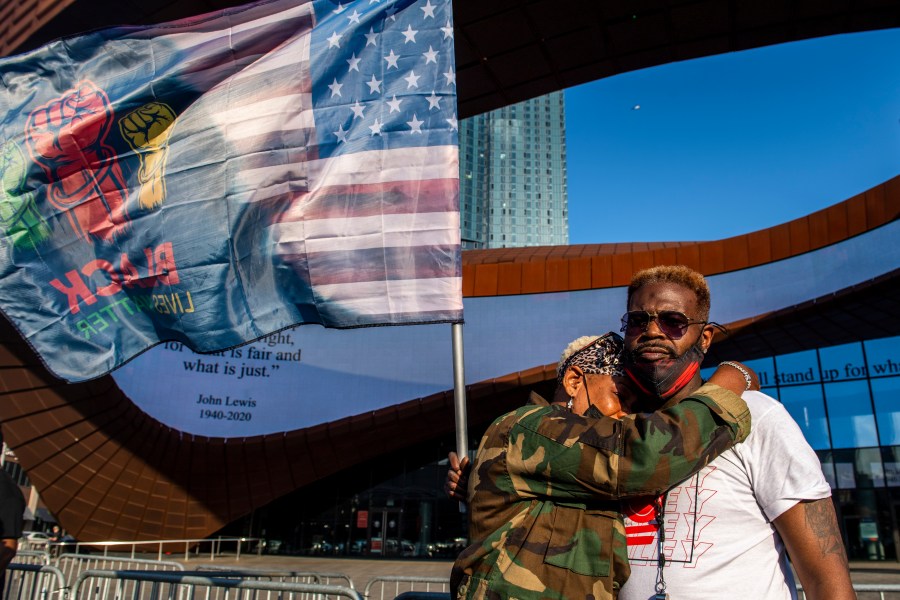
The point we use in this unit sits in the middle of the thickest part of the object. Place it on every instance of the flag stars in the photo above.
(392, 59)
(383, 91)
(412, 80)
(415, 125)
(340, 8)
(374, 85)
(341, 134)
(334, 41)
(391, 12)
(410, 34)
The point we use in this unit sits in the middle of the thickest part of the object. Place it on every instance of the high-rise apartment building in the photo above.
(513, 176)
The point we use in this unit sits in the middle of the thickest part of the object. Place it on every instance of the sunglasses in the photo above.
(672, 323)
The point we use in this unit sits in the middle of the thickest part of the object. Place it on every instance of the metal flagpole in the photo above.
(459, 392)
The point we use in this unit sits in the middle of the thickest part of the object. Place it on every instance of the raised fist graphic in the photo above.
(147, 130)
(19, 217)
(67, 138)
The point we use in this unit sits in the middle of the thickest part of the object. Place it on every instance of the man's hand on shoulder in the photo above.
(736, 377)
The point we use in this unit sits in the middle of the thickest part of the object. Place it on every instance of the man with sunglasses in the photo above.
(726, 529)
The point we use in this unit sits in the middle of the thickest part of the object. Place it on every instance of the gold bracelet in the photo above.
(743, 371)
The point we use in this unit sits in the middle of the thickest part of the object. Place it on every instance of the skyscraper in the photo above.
(513, 176)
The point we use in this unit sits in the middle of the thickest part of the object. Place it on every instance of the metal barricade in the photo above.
(341, 579)
(156, 585)
(323, 578)
(32, 557)
(33, 582)
(292, 577)
(391, 586)
(868, 591)
(219, 546)
(72, 565)
(33, 544)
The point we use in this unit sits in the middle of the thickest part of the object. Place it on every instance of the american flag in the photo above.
(380, 221)
(217, 179)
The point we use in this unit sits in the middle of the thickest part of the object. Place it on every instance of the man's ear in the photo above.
(706, 337)
(572, 379)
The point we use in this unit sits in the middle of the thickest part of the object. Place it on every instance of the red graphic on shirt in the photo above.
(683, 523)
(67, 138)
(641, 526)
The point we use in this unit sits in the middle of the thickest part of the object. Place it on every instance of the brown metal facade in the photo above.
(21, 20)
(510, 271)
(109, 471)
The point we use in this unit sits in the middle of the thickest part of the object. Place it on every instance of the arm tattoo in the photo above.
(821, 520)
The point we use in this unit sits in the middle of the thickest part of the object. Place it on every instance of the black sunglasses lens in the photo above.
(673, 323)
(636, 321)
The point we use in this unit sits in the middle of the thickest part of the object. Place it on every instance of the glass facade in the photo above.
(393, 508)
(512, 164)
(846, 400)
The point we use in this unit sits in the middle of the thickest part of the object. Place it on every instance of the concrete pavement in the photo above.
(359, 570)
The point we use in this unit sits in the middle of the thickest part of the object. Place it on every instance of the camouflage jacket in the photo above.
(544, 517)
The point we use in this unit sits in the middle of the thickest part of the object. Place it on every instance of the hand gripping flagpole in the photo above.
(459, 395)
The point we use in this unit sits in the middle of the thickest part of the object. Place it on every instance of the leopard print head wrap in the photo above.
(595, 355)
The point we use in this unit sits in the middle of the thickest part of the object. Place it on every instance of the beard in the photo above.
(665, 377)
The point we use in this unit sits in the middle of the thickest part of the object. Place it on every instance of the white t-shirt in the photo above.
(719, 540)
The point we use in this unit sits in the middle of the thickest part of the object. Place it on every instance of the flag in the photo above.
(219, 178)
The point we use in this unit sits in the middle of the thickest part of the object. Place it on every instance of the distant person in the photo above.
(545, 520)
(55, 540)
(12, 511)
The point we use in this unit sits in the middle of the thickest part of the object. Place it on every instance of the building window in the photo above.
(805, 405)
(886, 397)
(881, 356)
(797, 368)
(844, 362)
(850, 414)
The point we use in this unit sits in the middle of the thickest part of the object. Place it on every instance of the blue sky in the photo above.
(729, 144)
